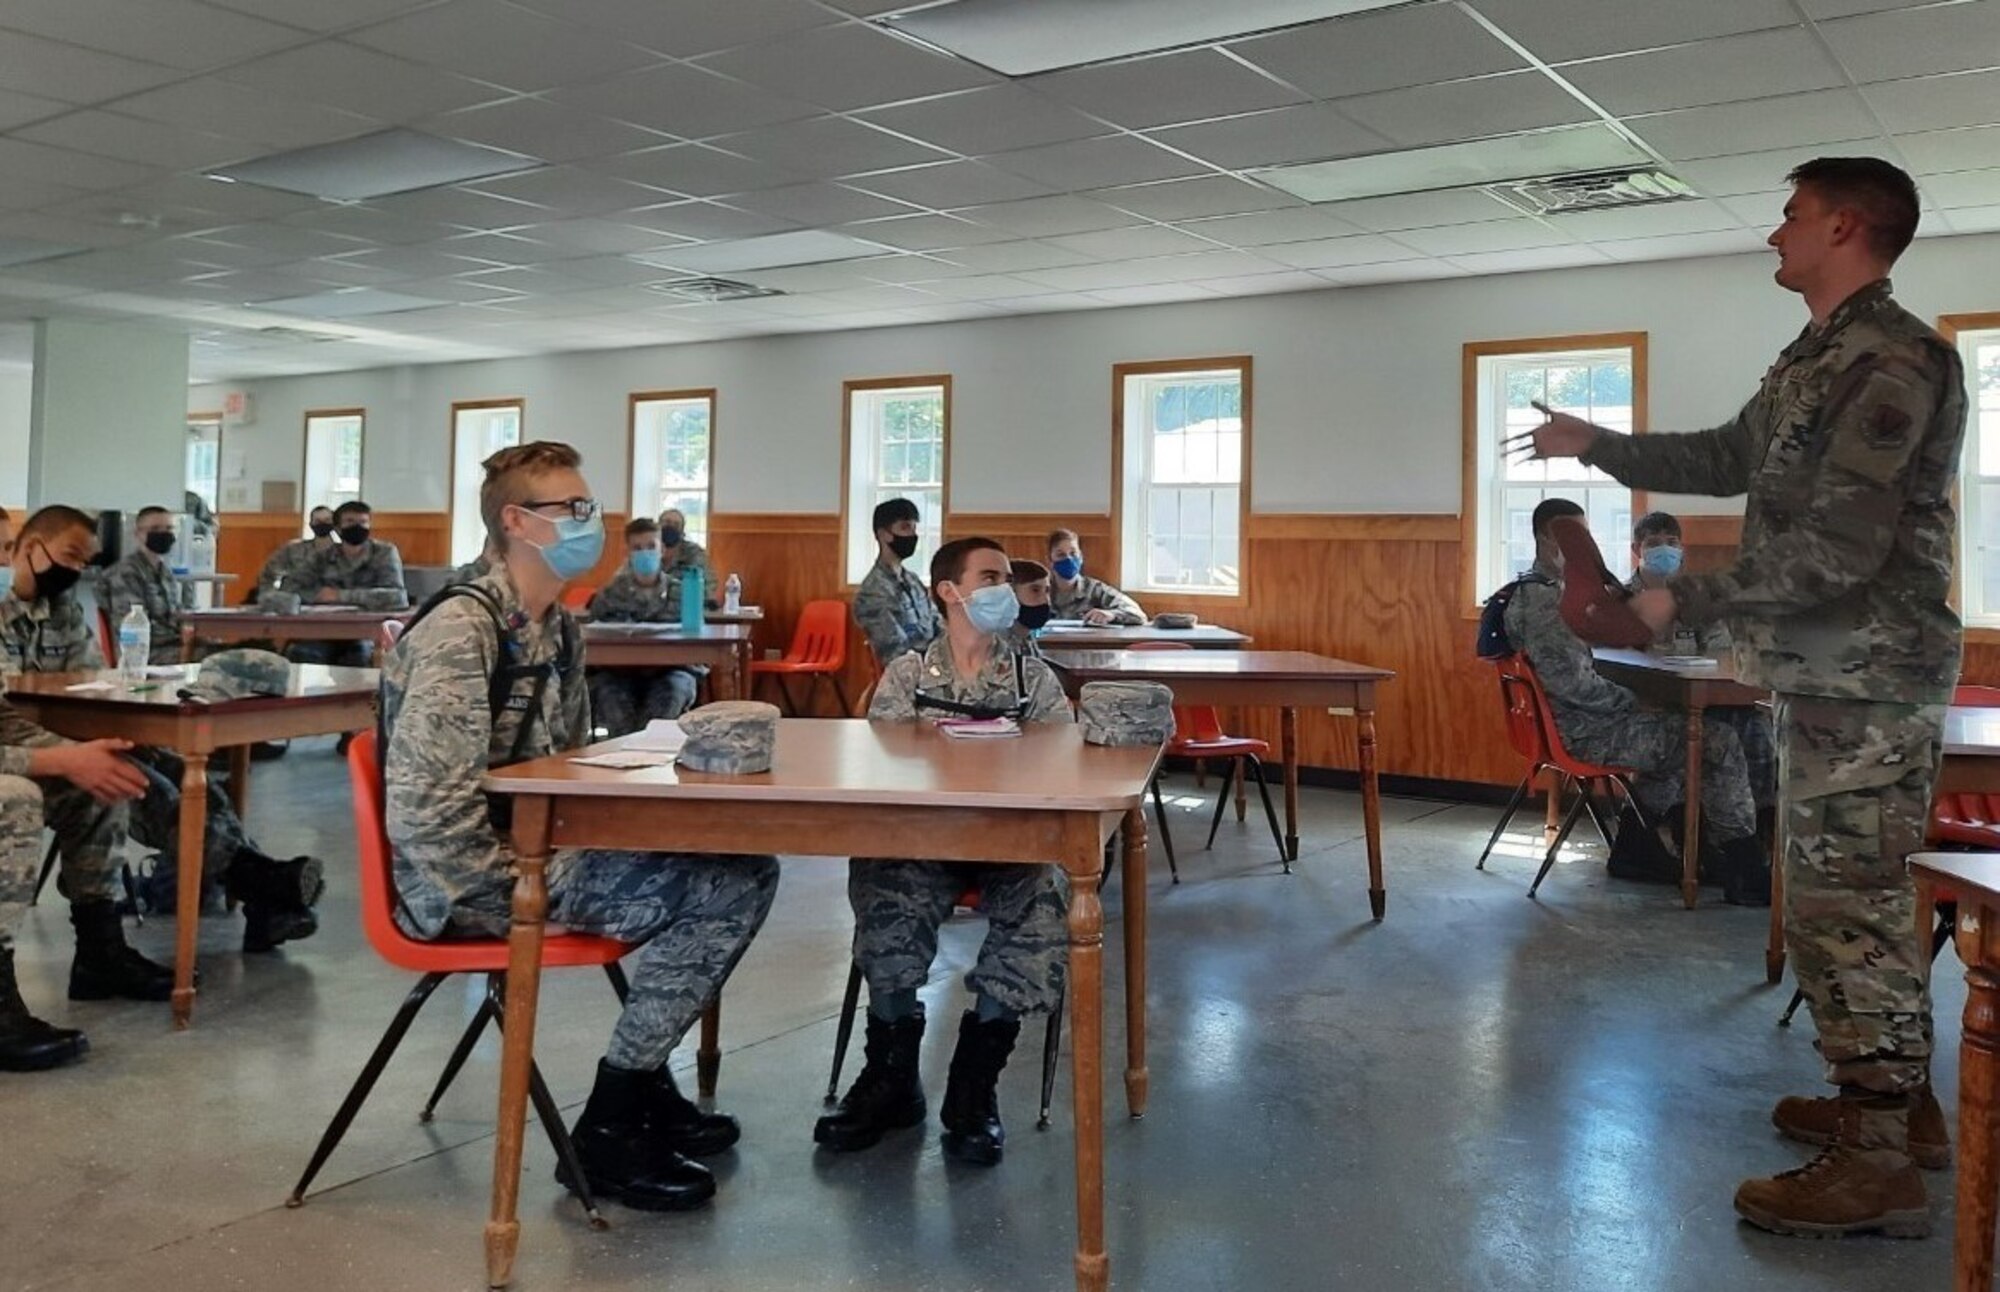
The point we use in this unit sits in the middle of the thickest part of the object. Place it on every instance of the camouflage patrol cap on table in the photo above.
(733, 737)
(1177, 619)
(240, 674)
(1126, 713)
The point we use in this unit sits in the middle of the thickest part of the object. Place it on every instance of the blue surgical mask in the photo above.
(6, 581)
(993, 608)
(1664, 560)
(577, 545)
(646, 562)
(1067, 567)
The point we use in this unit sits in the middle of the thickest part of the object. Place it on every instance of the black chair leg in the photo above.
(546, 1110)
(1229, 775)
(1270, 813)
(1798, 999)
(1596, 819)
(1166, 834)
(42, 880)
(1051, 1053)
(371, 1071)
(844, 1030)
(1506, 818)
(474, 1029)
(616, 973)
(1562, 835)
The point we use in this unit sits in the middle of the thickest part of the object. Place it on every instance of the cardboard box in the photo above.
(280, 496)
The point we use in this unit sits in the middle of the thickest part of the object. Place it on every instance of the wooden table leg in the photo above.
(239, 779)
(1086, 1006)
(192, 831)
(1289, 730)
(1691, 837)
(517, 1044)
(187, 644)
(1978, 1077)
(1371, 810)
(1774, 944)
(1136, 1074)
(708, 1057)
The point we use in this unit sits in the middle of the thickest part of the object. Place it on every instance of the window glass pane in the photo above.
(895, 450)
(1184, 434)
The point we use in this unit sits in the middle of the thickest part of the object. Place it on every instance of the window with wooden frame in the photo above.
(1181, 470)
(479, 429)
(1600, 378)
(672, 453)
(332, 469)
(204, 458)
(1978, 339)
(896, 443)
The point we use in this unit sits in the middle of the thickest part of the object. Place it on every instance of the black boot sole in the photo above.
(973, 1149)
(915, 1114)
(42, 1059)
(638, 1200)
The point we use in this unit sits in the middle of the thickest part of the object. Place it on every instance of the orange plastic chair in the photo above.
(819, 651)
(107, 637)
(1971, 820)
(437, 961)
(577, 596)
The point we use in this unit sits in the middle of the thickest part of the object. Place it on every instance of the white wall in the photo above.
(1356, 390)
(109, 425)
(16, 400)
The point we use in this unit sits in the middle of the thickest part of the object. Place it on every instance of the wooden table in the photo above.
(1118, 637)
(319, 701)
(1691, 690)
(247, 623)
(842, 787)
(724, 647)
(1286, 680)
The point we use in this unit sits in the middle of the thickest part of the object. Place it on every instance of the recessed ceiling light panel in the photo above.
(806, 247)
(352, 302)
(1022, 37)
(1467, 165)
(377, 165)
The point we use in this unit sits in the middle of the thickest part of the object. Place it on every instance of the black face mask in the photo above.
(56, 580)
(354, 535)
(670, 538)
(321, 528)
(160, 541)
(904, 546)
(1035, 616)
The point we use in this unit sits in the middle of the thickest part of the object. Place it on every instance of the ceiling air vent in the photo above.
(707, 291)
(1595, 190)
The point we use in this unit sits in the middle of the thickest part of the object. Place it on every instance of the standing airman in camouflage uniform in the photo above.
(285, 570)
(892, 605)
(141, 578)
(1838, 602)
(1075, 595)
(899, 905)
(626, 699)
(690, 916)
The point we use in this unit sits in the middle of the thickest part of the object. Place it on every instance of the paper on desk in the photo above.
(1064, 626)
(167, 670)
(978, 728)
(661, 736)
(1690, 661)
(625, 760)
(92, 686)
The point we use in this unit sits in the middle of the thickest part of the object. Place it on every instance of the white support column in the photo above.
(108, 426)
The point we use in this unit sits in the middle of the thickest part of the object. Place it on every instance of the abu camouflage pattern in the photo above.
(142, 579)
(895, 612)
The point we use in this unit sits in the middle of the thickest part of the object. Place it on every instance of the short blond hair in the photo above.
(510, 480)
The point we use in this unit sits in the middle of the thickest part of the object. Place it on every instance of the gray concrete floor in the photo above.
(1481, 1093)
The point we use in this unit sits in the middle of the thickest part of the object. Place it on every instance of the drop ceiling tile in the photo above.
(1268, 228)
(20, 109)
(347, 273)
(1558, 30)
(1281, 280)
(1402, 271)
(21, 160)
(282, 240)
(1097, 163)
(1794, 121)
(987, 120)
(926, 232)
(1724, 242)
(1916, 42)
(540, 129)
(1133, 244)
(848, 67)
(1384, 50)
(346, 76)
(1764, 172)
(1166, 89)
(1191, 199)
(1012, 257)
(684, 100)
(1311, 133)
(367, 223)
(1038, 217)
(686, 30)
(1154, 294)
(269, 117)
(464, 208)
(1757, 210)
(110, 134)
(614, 271)
(1937, 102)
(801, 279)
(1516, 234)
(500, 248)
(821, 204)
(428, 261)
(174, 198)
(1492, 105)
(1970, 188)
(1644, 221)
(1843, 8)
(928, 270)
(497, 42)
(829, 146)
(707, 220)
(179, 33)
(1358, 249)
(1419, 210)
(1726, 70)
(572, 191)
(463, 290)
(1974, 219)
(696, 170)
(590, 238)
(1937, 152)
(950, 185)
(1520, 262)
(1147, 273)
(322, 15)
(54, 70)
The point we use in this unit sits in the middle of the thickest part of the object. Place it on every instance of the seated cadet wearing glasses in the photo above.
(626, 699)
(971, 671)
(490, 673)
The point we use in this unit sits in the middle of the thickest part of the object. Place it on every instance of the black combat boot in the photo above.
(1746, 874)
(105, 967)
(685, 1127)
(277, 897)
(1637, 853)
(27, 1044)
(886, 1096)
(625, 1158)
(971, 1115)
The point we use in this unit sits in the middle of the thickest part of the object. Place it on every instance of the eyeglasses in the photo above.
(579, 508)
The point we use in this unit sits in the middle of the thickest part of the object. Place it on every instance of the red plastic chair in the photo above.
(1531, 729)
(107, 637)
(437, 961)
(819, 651)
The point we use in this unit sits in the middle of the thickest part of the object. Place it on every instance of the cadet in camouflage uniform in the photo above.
(626, 699)
(690, 916)
(286, 569)
(141, 578)
(892, 605)
(477, 568)
(27, 1044)
(1031, 588)
(1075, 595)
(898, 905)
(680, 554)
(1839, 602)
(1603, 722)
(356, 571)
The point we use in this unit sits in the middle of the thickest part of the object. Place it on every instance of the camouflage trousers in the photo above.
(899, 906)
(1857, 792)
(624, 700)
(156, 822)
(1654, 744)
(87, 835)
(692, 916)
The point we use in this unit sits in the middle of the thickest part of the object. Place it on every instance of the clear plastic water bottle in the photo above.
(732, 595)
(693, 590)
(202, 560)
(135, 639)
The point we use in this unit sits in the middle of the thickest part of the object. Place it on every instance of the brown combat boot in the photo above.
(1817, 1122)
(1863, 1182)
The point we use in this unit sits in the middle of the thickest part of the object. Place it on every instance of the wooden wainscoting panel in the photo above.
(422, 537)
(244, 541)
(1418, 528)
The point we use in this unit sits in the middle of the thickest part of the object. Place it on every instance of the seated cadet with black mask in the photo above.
(141, 578)
(970, 671)
(1031, 589)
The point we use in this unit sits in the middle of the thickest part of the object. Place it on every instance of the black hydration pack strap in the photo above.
(945, 704)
